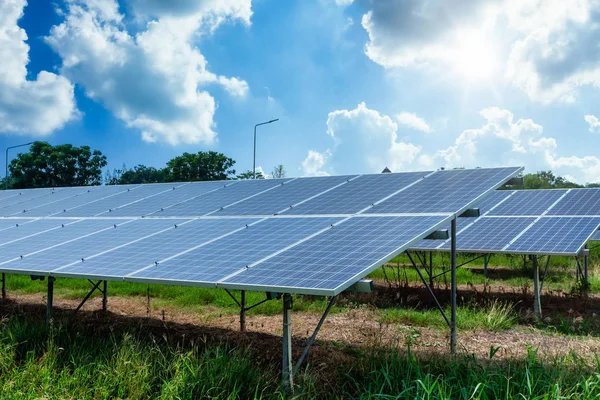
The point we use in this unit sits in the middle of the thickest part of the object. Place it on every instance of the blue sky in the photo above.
(357, 85)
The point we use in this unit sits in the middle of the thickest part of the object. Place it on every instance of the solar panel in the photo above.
(490, 234)
(285, 196)
(357, 194)
(185, 192)
(101, 234)
(596, 236)
(578, 202)
(528, 202)
(221, 198)
(105, 205)
(72, 230)
(91, 195)
(131, 257)
(424, 244)
(493, 199)
(81, 247)
(330, 262)
(234, 252)
(444, 191)
(26, 195)
(559, 235)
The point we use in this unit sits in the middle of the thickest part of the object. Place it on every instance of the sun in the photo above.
(473, 55)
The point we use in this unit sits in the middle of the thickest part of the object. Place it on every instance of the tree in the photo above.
(546, 180)
(51, 166)
(278, 172)
(203, 166)
(142, 174)
(250, 175)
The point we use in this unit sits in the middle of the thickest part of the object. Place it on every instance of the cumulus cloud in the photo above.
(413, 121)
(157, 80)
(366, 141)
(552, 45)
(594, 123)
(37, 106)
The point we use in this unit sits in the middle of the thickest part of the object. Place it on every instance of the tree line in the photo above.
(62, 165)
(45, 165)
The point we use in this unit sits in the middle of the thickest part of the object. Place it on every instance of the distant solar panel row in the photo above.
(529, 222)
(331, 231)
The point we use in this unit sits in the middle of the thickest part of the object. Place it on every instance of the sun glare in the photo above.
(473, 56)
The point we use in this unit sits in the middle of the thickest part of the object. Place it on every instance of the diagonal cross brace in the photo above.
(95, 286)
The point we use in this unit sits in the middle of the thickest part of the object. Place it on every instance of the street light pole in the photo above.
(254, 160)
(6, 170)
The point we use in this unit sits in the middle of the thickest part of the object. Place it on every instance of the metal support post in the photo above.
(49, 301)
(537, 305)
(287, 371)
(486, 260)
(453, 286)
(243, 311)
(3, 286)
(586, 262)
(431, 269)
(104, 296)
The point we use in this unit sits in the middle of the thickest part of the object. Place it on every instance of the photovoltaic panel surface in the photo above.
(185, 192)
(234, 252)
(285, 196)
(556, 235)
(578, 202)
(58, 208)
(20, 228)
(444, 191)
(105, 205)
(26, 195)
(227, 196)
(596, 236)
(131, 257)
(333, 260)
(54, 198)
(72, 230)
(528, 202)
(79, 249)
(357, 194)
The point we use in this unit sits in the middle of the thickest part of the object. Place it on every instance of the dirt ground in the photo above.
(342, 332)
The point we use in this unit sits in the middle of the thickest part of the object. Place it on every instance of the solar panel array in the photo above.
(550, 222)
(303, 235)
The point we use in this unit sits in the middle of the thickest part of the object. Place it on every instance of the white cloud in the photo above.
(594, 123)
(413, 121)
(314, 163)
(37, 106)
(344, 3)
(156, 80)
(366, 141)
(547, 48)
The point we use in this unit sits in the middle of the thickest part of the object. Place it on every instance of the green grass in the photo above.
(73, 363)
(493, 316)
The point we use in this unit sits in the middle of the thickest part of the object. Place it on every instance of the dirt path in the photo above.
(356, 327)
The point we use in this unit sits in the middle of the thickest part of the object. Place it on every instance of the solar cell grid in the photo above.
(20, 228)
(285, 196)
(179, 194)
(461, 223)
(213, 201)
(25, 196)
(578, 202)
(528, 202)
(70, 231)
(566, 235)
(135, 256)
(357, 194)
(444, 191)
(234, 252)
(102, 240)
(338, 257)
(104, 206)
(96, 193)
(56, 197)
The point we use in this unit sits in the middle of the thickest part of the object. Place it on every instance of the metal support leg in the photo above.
(243, 311)
(453, 287)
(431, 269)
(537, 305)
(104, 296)
(486, 260)
(286, 372)
(49, 301)
(3, 286)
(586, 282)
